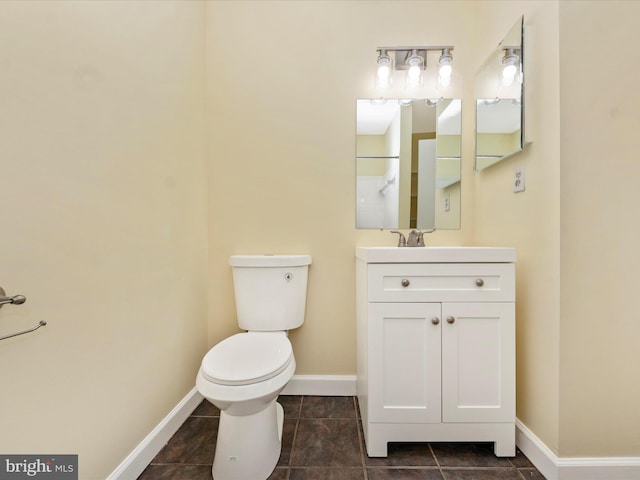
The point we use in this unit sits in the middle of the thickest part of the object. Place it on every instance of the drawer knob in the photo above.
(405, 282)
(451, 319)
(435, 320)
(479, 282)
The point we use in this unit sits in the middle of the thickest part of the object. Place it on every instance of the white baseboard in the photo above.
(325, 385)
(551, 466)
(582, 468)
(536, 451)
(141, 456)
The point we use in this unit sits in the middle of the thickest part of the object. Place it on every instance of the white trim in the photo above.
(580, 468)
(599, 468)
(141, 456)
(549, 464)
(325, 385)
(535, 450)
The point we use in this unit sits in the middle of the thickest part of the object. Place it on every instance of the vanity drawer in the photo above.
(439, 282)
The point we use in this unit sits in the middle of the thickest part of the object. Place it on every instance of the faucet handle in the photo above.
(421, 237)
(402, 241)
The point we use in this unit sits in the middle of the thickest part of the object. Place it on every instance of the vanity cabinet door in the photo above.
(478, 362)
(404, 354)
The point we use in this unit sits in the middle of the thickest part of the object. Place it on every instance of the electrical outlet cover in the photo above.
(518, 179)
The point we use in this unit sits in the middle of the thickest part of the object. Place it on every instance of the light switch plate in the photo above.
(518, 179)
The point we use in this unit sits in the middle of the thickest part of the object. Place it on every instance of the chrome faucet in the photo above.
(416, 238)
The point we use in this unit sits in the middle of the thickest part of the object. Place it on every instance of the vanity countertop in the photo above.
(436, 254)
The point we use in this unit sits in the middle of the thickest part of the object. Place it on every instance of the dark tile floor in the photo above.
(322, 440)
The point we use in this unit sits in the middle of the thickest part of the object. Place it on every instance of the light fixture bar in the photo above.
(409, 48)
(402, 54)
(413, 60)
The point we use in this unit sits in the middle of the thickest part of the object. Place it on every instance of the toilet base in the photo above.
(248, 447)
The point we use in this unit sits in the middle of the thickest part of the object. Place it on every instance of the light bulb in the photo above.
(445, 71)
(509, 74)
(383, 73)
(444, 75)
(414, 73)
(510, 62)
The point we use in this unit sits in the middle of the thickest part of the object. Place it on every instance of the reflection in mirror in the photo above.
(499, 101)
(408, 163)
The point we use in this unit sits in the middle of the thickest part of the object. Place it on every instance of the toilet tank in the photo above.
(270, 290)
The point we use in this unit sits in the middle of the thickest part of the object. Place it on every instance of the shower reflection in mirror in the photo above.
(408, 163)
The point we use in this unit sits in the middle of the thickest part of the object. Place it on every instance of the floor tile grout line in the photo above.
(435, 457)
(433, 454)
(476, 467)
(295, 435)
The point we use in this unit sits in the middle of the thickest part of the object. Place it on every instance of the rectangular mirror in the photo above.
(499, 101)
(408, 163)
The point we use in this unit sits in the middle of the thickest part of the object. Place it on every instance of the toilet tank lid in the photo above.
(269, 260)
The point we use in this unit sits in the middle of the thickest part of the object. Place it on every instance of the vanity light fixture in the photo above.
(444, 74)
(385, 68)
(511, 62)
(414, 73)
(414, 61)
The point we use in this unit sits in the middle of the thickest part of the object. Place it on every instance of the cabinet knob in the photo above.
(435, 320)
(479, 282)
(451, 319)
(405, 282)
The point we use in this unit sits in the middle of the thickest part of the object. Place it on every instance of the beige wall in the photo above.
(281, 130)
(103, 222)
(529, 221)
(600, 229)
(104, 159)
(576, 239)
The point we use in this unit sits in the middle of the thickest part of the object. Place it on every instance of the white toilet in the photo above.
(244, 374)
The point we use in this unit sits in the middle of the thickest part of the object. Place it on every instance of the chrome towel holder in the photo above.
(42, 323)
(17, 300)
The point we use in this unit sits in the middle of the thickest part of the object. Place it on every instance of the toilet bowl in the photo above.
(235, 377)
(244, 374)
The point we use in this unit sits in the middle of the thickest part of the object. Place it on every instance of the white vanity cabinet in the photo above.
(436, 346)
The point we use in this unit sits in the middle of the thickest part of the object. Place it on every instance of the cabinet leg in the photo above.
(504, 448)
(376, 448)
(505, 440)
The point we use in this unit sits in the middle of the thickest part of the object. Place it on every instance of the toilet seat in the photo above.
(247, 358)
